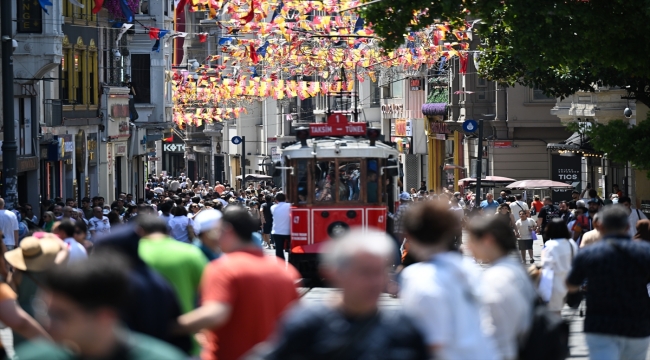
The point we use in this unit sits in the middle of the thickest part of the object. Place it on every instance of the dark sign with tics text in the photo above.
(337, 125)
(30, 17)
(566, 169)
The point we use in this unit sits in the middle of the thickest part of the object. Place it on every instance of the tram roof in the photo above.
(348, 147)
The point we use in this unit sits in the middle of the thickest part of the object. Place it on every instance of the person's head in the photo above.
(594, 206)
(503, 194)
(179, 211)
(580, 210)
(235, 230)
(614, 220)
(166, 207)
(548, 200)
(489, 197)
(85, 203)
(48, 217)
(149, 224)
(67, 212)
(64, 229)
(642, 230)
(575, 195)
(557, 229)
(69, 202)
(120, 203)
(491, 238)
(98, 212)
(429, 226)
(280, 197)
(504, 209)
(206, 227)
(2, 203)
(129, 197)
(564, 207)
(83, 301)
(523, 214)
(627, 202)
(80, 231)
(593, 193)
(536, 198)
(58, 210)
(358, 264)
(518, 197)
(616, 188)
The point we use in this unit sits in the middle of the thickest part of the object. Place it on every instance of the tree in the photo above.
(559, 46)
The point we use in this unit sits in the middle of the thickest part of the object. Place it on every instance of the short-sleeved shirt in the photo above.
(99, 226)
(8, 224)
(524, 227)
(178, 228)
(324, 333)
(517, 206)
(489, 207)
(281, 218)
(547, 214)
(77, 251)
(258, 288)
(617, 273)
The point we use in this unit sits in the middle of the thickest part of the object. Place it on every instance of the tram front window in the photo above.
(323, 176)
(372, 186)
(349, 181)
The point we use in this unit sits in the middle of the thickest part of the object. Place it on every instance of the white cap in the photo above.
(206, 220)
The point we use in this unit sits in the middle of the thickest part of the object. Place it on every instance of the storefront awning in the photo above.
(576, 143)
(434, 109)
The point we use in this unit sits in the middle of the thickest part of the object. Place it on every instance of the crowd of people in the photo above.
(182, 274)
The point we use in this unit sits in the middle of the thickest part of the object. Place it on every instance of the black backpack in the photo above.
(548, 336)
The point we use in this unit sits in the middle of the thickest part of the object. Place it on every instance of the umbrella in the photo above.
(539, 184)
(255, 177)
(488, 181)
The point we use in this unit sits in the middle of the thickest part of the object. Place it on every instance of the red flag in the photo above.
(463, 63)
(203, 37)
(98, 6)
(249, 17)
(154, 33)
(169, 139)
(254, 58)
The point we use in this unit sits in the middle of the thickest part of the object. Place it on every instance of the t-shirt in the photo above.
(179, 263)
(219, 189)
(281, 218)
(136, 347)
(617, 296)
(537, 205)
(77, 251)
(174, 185)
(525, 228)
(8, 224)
(547, 214)
(489, 207)
(258, 288)
(178, 228)
(266, 212)
(517, 206)
(590, 237)
(100, 226)
(321, 332)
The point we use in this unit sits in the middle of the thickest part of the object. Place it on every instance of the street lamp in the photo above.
(479, 162)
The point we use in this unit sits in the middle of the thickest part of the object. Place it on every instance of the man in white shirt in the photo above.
(98, 224)
(635, 214)
(9, 226)
(525, 228)
(439, 293)
(281, 231)
(518, 205)
(65, 231)
(174, 185)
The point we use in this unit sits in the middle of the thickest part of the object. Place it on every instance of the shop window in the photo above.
(141, 77)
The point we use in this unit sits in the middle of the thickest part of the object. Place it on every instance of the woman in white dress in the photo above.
(557, 256)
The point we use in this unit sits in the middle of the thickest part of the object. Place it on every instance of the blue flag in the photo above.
(358, 26)
(117, 25)
(261, 51)
(254, 73)
(162, 33)
(156, 46)
(128, 14)
(45, 3)
(277, 11)
(225, 41)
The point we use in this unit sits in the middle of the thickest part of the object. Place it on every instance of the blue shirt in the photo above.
(485, 205)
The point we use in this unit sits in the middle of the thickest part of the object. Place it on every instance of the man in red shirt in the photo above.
(219, 188)
(244, 294)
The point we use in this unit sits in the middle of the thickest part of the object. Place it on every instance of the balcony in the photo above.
(53, 112)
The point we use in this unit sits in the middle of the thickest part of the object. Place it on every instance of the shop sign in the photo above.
(275, 155)
(441, 137)
(178, 148)
(120, 111)
(153, 159)
(26, 164)
(416, 84)
(66, 146)
(80, 150)
(566, 169)
(393, 109)
(109, 157)
(30, 17)
(502, 144)
(436, 127)
(337, 125)
(403, 127)
(91, 147)
(120, 149)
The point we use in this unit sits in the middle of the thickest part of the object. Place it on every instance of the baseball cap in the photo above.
(206, 220)
(405, 196)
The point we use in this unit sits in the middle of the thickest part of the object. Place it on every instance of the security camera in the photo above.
(116, 54)
(194, 64)
(627, 112)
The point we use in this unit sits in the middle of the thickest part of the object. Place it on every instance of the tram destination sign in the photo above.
(337, 125)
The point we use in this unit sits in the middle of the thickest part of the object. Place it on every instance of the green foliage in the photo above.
(622, 143)
(559, 46)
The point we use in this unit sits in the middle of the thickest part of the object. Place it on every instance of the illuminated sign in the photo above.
(337, 125)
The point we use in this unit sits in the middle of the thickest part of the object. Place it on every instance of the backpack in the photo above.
(548, 336)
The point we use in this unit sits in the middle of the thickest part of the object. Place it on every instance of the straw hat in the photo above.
(37, 255)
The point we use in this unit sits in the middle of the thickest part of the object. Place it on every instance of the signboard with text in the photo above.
(566, 169)
(337, 125)
(30, 17)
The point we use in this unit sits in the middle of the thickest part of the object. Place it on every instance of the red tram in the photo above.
(337, 176)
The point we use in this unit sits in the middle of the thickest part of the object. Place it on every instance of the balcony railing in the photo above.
(53, 112)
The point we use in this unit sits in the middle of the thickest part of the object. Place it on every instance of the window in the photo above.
(397, 88)
(372, 181)
(323, 176)
(349, 180)
(481, 82)
(538, 95)
(79, 73)
(141, 77)
(75, 12)
(375, 94)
